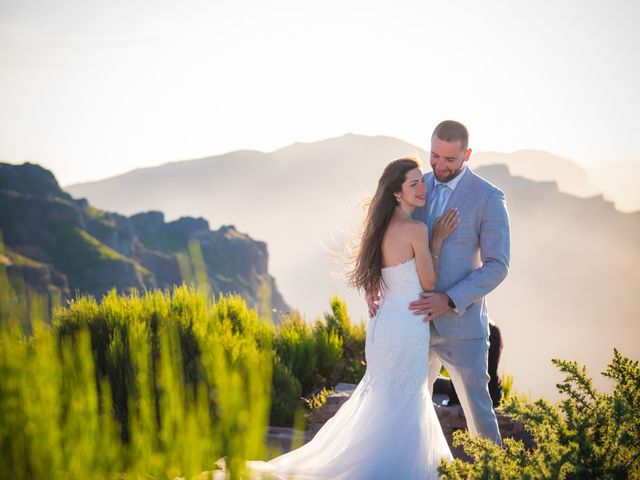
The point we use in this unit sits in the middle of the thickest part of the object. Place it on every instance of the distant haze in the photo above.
(571, 292)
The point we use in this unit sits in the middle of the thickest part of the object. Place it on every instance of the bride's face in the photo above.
(413, 189)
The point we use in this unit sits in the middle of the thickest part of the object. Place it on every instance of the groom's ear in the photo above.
(467, 154)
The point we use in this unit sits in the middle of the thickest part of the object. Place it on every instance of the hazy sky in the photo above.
(91, 89)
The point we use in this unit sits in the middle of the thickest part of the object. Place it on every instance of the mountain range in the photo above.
(571, 289)
(58, 245)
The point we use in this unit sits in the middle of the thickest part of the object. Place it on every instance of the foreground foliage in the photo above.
(159, 385)
(589, 435)
(155, 385)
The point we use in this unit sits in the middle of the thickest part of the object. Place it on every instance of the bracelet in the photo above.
(435, 256)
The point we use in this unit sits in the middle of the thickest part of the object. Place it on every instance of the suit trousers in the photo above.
(466, 360)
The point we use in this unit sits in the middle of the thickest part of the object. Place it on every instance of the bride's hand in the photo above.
(445, 225)
(373, 300)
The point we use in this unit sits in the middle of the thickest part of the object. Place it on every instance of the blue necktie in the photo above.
(438, 204)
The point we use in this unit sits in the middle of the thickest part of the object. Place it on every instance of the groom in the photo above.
(473, 261)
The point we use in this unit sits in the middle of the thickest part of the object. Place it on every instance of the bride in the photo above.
(388, 429)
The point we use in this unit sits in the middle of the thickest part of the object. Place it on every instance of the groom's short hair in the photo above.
(452, 131)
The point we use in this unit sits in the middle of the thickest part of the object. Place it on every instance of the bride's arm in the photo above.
(424, 260)
(427, 260)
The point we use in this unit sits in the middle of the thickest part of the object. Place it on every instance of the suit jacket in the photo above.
(474, 259)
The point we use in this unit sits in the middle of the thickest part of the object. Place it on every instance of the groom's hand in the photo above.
(430, 305)
(372, 303)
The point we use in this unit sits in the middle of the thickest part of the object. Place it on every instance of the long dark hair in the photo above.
(367, 269)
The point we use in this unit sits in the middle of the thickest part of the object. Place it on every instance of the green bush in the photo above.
(589, 435)
(329, 351)
(351, 366)
(320, 355)
(296, 348)
(155, 385)
(325, 353)
(285, 395)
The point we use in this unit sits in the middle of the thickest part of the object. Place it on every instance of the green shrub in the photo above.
(285, 395)
(155, 385)
(589, 435)
(351, 365)
(329, 354)
(318, 356)
(296, 347)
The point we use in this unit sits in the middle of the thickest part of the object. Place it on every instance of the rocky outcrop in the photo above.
(57, 244)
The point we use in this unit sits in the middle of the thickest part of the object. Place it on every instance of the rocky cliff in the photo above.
(57, 245)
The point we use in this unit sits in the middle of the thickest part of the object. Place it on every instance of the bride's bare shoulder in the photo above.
(414, 229)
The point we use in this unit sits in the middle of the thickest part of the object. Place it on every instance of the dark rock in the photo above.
(30, 180)
(163, 266)
(188, 226)
(148, 222)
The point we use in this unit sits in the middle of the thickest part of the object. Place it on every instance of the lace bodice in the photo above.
(401, 280)
(397, 343)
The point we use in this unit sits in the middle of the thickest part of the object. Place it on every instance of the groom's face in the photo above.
(447, 158)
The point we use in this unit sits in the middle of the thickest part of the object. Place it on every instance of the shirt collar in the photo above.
(452, 184)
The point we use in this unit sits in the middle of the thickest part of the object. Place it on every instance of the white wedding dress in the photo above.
(388, 429)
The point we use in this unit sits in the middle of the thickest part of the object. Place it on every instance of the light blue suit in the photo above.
(474, 260)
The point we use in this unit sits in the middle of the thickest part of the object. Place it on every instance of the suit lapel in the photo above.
(462, 192)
